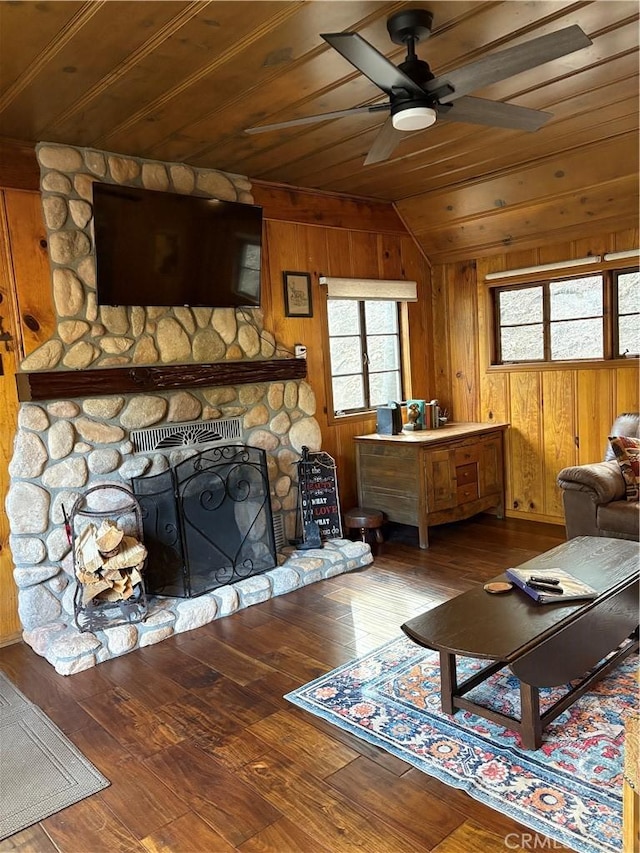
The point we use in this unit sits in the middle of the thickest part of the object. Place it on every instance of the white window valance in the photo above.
(370, 288)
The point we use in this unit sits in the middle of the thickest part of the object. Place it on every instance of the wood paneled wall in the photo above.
(27, 314)
(560, 415)
(8, 420)
(354, 239)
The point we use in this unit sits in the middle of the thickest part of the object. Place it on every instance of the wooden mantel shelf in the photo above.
(67, 384)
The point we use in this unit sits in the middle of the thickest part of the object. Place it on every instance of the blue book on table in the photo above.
(572, 588)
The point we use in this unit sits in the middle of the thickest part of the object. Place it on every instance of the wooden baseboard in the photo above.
(11, 639)
(534, 516)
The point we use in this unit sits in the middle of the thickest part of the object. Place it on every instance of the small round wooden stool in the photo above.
(363, 520)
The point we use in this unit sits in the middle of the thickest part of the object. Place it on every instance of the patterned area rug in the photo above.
(569, 790)
(41, 771)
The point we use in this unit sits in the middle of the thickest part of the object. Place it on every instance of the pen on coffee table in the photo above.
(553, 581)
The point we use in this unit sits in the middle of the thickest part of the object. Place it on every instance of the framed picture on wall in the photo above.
(297, 294)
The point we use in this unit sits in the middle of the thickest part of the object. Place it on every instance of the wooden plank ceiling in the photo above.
(181, 81)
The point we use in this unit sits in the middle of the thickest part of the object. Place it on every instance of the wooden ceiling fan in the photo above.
(417, 98)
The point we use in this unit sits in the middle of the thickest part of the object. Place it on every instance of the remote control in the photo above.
(545, 587)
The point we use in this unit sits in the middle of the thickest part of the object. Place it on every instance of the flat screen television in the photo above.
(159, 248)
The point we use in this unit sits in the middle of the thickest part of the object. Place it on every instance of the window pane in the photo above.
(381, 317)
(346, 356)
(520, 306)
(628, 292)
(343, 316)
(383, 352)
(629, 334)
(576, 297)
(384, 387)
(364, 325)
(523, 343)
(577, 339)
(348, 393)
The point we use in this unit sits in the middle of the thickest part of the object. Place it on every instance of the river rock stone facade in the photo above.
(89, 335)
(64, 447)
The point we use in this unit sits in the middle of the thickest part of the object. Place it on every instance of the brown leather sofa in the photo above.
(594, 495)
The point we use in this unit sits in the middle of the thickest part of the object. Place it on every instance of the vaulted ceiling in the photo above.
(181, 81)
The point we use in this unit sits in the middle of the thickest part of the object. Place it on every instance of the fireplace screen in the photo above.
(207, 521)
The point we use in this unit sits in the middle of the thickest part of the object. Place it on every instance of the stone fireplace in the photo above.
(73, 441)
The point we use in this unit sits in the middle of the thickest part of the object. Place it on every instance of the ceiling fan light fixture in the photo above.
(414, 118)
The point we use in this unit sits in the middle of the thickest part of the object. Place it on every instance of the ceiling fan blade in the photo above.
(513, 60)
(374, 108)
(371, 63)
(494, 114)
(385, 142)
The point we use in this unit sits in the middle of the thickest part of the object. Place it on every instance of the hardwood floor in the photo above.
(205, 756)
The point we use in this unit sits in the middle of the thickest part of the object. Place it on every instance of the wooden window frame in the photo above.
(615, 338)
(609, 316)
(403, 369)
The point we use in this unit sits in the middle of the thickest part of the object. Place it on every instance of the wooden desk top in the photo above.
(431, 436)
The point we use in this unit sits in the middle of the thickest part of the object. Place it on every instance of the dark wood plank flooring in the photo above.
(205, 756)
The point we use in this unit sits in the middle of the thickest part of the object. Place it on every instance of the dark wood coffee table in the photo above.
(544, 645)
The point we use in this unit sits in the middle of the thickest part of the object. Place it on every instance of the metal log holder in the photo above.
(96, 614)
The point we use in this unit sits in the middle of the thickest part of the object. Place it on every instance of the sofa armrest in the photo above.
(602, 479)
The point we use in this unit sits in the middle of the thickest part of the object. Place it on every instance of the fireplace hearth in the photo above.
(207, 521)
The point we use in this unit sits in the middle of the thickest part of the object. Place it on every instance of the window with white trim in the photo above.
(594, 316)
(365, 352)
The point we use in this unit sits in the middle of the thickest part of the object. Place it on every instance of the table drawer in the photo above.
(467, 493)
(466, 455)
(466, 474)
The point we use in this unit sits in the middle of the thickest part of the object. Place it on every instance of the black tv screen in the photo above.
(158, 248)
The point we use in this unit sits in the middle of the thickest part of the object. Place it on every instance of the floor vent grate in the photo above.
(193, 434)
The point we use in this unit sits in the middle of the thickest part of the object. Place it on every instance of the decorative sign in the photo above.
(318, 491)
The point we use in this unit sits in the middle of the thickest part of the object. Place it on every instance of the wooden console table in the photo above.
(432, 476)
